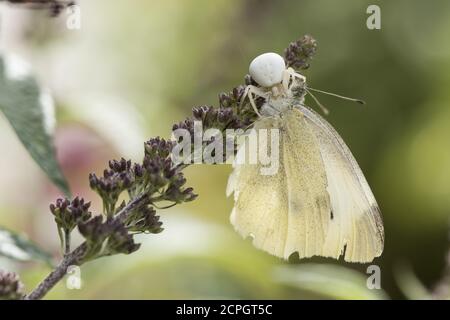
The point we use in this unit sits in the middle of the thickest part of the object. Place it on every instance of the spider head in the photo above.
(267, 69)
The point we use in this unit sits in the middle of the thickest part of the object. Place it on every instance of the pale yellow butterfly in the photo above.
(318, 203)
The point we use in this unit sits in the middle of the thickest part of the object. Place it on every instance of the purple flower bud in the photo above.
(11, 288)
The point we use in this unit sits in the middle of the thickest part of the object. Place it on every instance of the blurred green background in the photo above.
(136, 67)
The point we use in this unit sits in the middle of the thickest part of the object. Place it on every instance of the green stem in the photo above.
(66, 242)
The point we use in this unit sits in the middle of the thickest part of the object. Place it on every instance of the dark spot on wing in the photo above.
(294, 257)
(344, 250)
(331, 215)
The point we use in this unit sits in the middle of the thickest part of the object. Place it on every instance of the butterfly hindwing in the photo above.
(261, 203)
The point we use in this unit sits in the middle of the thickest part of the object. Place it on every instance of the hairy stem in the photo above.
(56, 275)
(76, 256)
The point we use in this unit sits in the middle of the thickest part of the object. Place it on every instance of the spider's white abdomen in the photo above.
(267, 69)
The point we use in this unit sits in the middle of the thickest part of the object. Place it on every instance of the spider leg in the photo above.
(248, 93)
(251, 92)
(286, 79)
(244, 95)
(294, 75)
(252, 102)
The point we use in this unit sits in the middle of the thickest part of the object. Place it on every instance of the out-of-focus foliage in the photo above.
(411, 287)
(135, 69)
(17, 247)
(328, 281)
(31, 113)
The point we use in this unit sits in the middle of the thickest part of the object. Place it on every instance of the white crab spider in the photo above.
(275, 80)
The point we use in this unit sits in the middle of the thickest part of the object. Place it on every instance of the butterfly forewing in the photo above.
(309, 203)
(289, 211)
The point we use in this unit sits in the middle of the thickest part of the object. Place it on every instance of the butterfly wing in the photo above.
(260, 200)
(356, 224)
(289, 211)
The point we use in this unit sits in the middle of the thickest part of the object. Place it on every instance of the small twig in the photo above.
(76, 256)
(66, 242)
(56, 275)
(123, 214)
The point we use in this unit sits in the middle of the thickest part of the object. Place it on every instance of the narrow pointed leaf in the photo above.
(31, 114)
(17, 247)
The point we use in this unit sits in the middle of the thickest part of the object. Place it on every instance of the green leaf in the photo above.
(31, 114)
(19, 248)
(328, 281)
(409, 283)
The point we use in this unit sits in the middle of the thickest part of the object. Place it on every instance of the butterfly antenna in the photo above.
(322, 107)
(338, 96)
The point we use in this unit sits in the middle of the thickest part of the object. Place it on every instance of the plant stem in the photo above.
(133, 204)
(66, 242)
(75, 257)
(56, 275)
